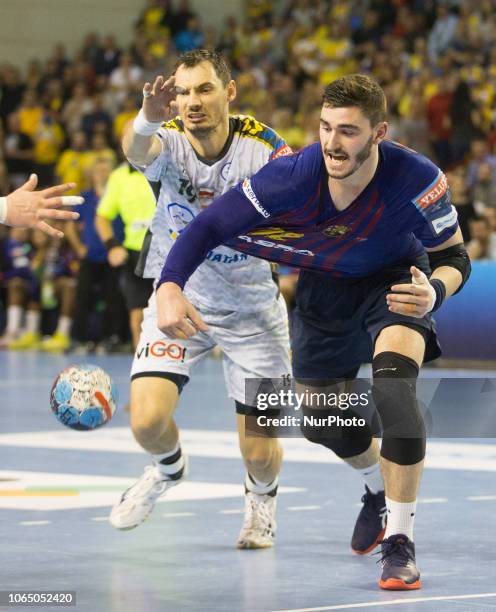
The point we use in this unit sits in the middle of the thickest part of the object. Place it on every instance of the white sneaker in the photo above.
(137, 502)
(259, 526)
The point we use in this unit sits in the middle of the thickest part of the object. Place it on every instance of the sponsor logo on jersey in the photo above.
(440, 224)
(250, 126)
(162, 349)
(225, 259)
(433, 193)
(275, 245)
(250, 194)
(282, 151)
(276, 233)
(206, 197)
(335, 231)
(180, 216)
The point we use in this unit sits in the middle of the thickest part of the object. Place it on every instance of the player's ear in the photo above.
(231, 91)
(380, 132)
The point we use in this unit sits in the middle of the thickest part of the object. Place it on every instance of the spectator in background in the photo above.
(97, 279)
(482, 244)
(465, 121)
(58, 289)
(48, 141)
(19, 152)
(99, 119)
(30, 112)
(438, 117)
(128, 195)
(479, 154)
(22, 265)
(128, 112)
(180, 17)
(76, 107)
(484, 188)
(108, 56)
(11, 90)
(126, 78)
(461, 199)
(73, 162)
(443, 31)
(192, 37)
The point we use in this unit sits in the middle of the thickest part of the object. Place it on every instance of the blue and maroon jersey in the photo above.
(405, 208)
(285, 213)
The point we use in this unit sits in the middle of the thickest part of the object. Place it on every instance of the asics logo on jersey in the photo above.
(274, 245)
(276, 233)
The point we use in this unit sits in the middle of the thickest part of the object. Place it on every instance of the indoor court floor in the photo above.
(57, 487)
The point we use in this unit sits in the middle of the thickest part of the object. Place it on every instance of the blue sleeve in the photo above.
(437, 219)
(216, 225)
(278, 187)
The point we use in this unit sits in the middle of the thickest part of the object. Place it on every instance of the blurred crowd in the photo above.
(63, 117)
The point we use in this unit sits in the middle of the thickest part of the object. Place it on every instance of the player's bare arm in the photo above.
(28, 208)
(177, 317)
(140, 143)
(420, 297)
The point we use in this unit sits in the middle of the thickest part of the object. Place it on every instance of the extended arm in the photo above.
(230, 215)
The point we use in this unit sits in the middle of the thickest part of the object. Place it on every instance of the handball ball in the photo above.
(83, 397)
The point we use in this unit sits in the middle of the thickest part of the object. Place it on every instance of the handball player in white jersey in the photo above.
(194, 158)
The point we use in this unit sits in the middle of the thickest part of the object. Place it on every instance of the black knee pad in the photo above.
(394, 391)
(345, 441)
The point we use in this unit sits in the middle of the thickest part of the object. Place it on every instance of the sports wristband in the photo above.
(143, 127)
(111, 243)
(440, 289)
(3, 209)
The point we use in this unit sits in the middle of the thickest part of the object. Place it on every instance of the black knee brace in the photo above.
(403, 430)
(345, 442)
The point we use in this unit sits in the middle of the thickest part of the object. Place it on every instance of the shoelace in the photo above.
(258, 515)
(370, 505)
(397, 547)
(141, 486)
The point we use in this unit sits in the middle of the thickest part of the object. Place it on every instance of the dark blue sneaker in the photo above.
(371, 523)
(399, 572)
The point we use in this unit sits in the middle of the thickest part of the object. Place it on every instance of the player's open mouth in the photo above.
(337, 160)
(196, 117)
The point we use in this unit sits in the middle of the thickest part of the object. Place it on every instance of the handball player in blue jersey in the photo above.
(371, 225)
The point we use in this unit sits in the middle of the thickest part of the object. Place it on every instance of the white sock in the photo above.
(400, 518)
(260, 488)
(64, 325)
(170, 463)
(33, 318)
(14, 319)
(373, 478)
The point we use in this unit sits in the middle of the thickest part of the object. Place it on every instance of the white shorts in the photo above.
(254, 346)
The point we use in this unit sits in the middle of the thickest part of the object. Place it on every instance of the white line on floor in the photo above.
(34, 522)
(178, 514)
(231, 511)
(99, 519)
(391, 602)
(297, 508)
(482, 498)
(433, 500)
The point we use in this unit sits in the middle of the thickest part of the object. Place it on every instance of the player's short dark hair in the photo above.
(197, 56)
(357, 90)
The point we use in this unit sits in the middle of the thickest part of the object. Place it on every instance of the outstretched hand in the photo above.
(157, 98)
(30, 209)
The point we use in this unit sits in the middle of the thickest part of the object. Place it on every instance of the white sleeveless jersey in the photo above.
(226, 280)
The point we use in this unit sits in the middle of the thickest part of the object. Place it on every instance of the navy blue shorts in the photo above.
(336, 321)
